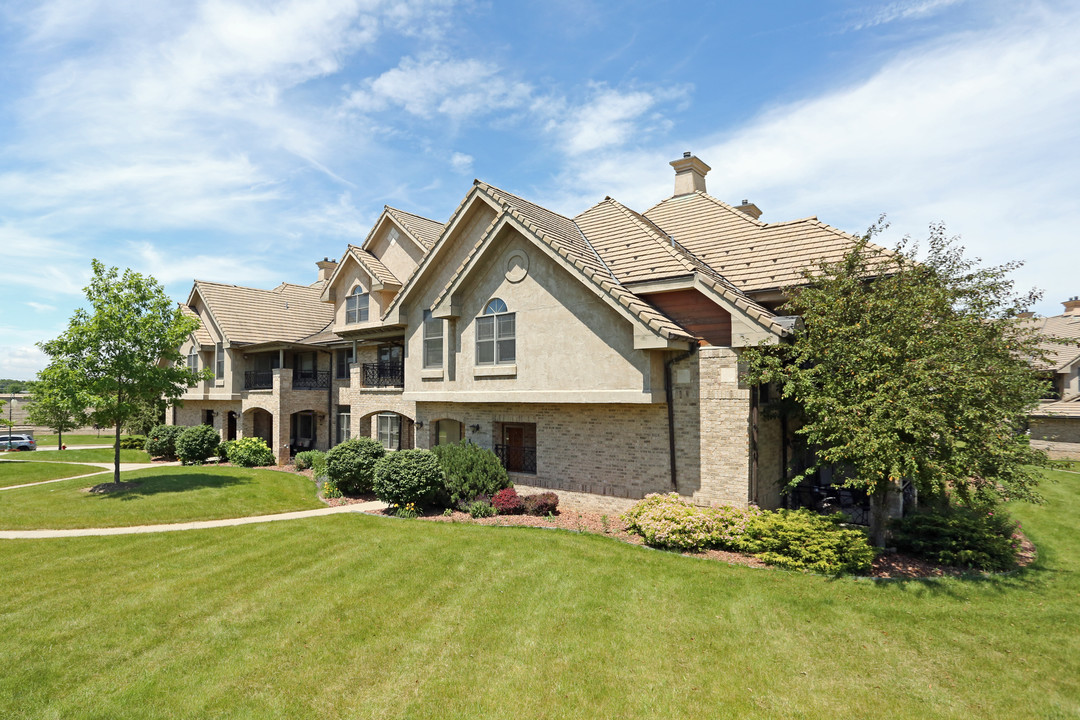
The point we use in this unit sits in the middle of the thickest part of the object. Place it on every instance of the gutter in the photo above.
(668, 393)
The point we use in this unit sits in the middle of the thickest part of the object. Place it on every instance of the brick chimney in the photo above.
(326, 268)
(689, 174)
(750, 209)
(1072, 306)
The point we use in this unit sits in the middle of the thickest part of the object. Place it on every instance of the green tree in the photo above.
(918, 374)
(58, 401)
(125, 350)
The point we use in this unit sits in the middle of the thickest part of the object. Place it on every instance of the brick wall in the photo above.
(1059, 436)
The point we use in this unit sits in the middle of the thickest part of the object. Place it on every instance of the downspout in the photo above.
(668, 395)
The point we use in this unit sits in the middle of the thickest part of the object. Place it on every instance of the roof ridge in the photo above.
(665, 242)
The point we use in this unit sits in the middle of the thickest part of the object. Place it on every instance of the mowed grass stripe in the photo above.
(354, 616)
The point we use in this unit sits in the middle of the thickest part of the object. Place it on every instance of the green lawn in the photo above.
(165, 495)
(91, 455)
(17, 473)
(361, 617)
(48, 442)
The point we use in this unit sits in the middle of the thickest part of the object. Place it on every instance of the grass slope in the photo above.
(49, 442)
(354, 616)
(89, 455)
(19, 472)
(165, 495)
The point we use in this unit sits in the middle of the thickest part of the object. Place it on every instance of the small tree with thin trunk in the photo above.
(125, 352)
(58, 401)
(913, 371)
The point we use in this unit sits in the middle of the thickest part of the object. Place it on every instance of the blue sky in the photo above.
(242, 141)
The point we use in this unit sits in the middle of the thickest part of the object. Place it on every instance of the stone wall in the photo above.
(1058, 436)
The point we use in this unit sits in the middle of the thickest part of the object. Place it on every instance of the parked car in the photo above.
(17, 442)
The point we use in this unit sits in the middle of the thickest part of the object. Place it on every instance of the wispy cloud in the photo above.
(894, 11)
(608, 117)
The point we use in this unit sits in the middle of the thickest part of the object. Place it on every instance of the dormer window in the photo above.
(495, 335)
(356, 306)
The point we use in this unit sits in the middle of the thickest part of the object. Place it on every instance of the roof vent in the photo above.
(686, 154)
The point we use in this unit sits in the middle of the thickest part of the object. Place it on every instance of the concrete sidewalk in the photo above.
(198, 525)
(105, 468)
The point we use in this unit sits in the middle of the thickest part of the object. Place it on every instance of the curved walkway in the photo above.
(105, 468)
(197, 525)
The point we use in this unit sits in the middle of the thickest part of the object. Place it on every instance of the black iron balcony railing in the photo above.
(310, 379)
(258, 379)
(516, 458)
(384, 374)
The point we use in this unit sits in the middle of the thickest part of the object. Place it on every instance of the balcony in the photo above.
(384, 374)
(310, 379)
(517, 458)
(259, 380)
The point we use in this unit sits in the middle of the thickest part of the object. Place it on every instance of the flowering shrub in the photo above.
(250, 452)
(508, 502)
(407, 511)
(798, 540)
(979, 539)
(540, 504)
(330, 489)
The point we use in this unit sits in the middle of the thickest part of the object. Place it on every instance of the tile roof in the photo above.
(373, 265)
(202, 335)
(751, 254)
(1061, 409)
(1063, 327)
(249, 315)
(425, 230)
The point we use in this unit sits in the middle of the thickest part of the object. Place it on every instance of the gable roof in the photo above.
(424, 229)
(373, 266)
(201, 335)
(250, 315)
(751, 254)
(1059, 355)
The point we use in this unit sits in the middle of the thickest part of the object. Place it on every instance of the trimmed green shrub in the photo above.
(132, 442)
(306, 459)
(222, 451)
(470, 471)
(804, 540)
(195, 444)
(250, 452)
(408, 476)
(161, 442)
(351, 464)
(540, 504)
(508, 502)
(982, 540)
(481, 509)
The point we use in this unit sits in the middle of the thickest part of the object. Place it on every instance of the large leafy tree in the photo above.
(58, 400)
(911, 370)
(125, 349)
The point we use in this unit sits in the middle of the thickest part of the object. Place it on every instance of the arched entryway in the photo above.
(304, 430)
(394, 430)
(262, 426)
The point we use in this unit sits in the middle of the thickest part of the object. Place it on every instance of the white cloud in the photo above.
(461, 163)
(440, 85)
(894, 11)
(41, 307)
(21, 362)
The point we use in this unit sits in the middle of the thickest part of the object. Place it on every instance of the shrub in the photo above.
(318, 468)
(132, 442)
(408, 477)
(982, 540)
(470, 471)
(804, 540)
(481, 509)
(195, 444)
(330, 489)
(508, 502)
(540, 504)
(161, 442)
(222, 451)
(351, 464)
(306, 459)
(250, 452)
(671, 522)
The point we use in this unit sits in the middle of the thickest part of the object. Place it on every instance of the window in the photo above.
(356, 306)
(208, 418)
(344, 422)
(219, 363)
(193, 360)
(389, 427)
(495, 344)
(448, 431)
(433, 341)
(344, 357)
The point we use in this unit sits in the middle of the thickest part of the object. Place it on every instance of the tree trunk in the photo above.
(116, 456)
(886, 503)
(59, 439)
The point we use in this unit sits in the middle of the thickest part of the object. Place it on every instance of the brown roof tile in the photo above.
(249, 315)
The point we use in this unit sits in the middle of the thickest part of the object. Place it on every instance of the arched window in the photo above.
(495, 331)
(356, 306)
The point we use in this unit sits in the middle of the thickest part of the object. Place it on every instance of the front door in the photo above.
(231, 427)
(514, 439)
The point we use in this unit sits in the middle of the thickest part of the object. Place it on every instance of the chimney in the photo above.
(750, 209)
(689, 174)
(326, 268)
(1072, 306)
(1026, 315)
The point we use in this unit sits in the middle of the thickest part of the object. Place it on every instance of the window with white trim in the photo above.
(495, 335)
(356, 306)
(433, 341)
(389, 428)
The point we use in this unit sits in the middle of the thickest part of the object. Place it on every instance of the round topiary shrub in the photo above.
(250, 452)
(352, 464)
(408, 476)
(470, 471)
(161, 442)
(195, 444)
